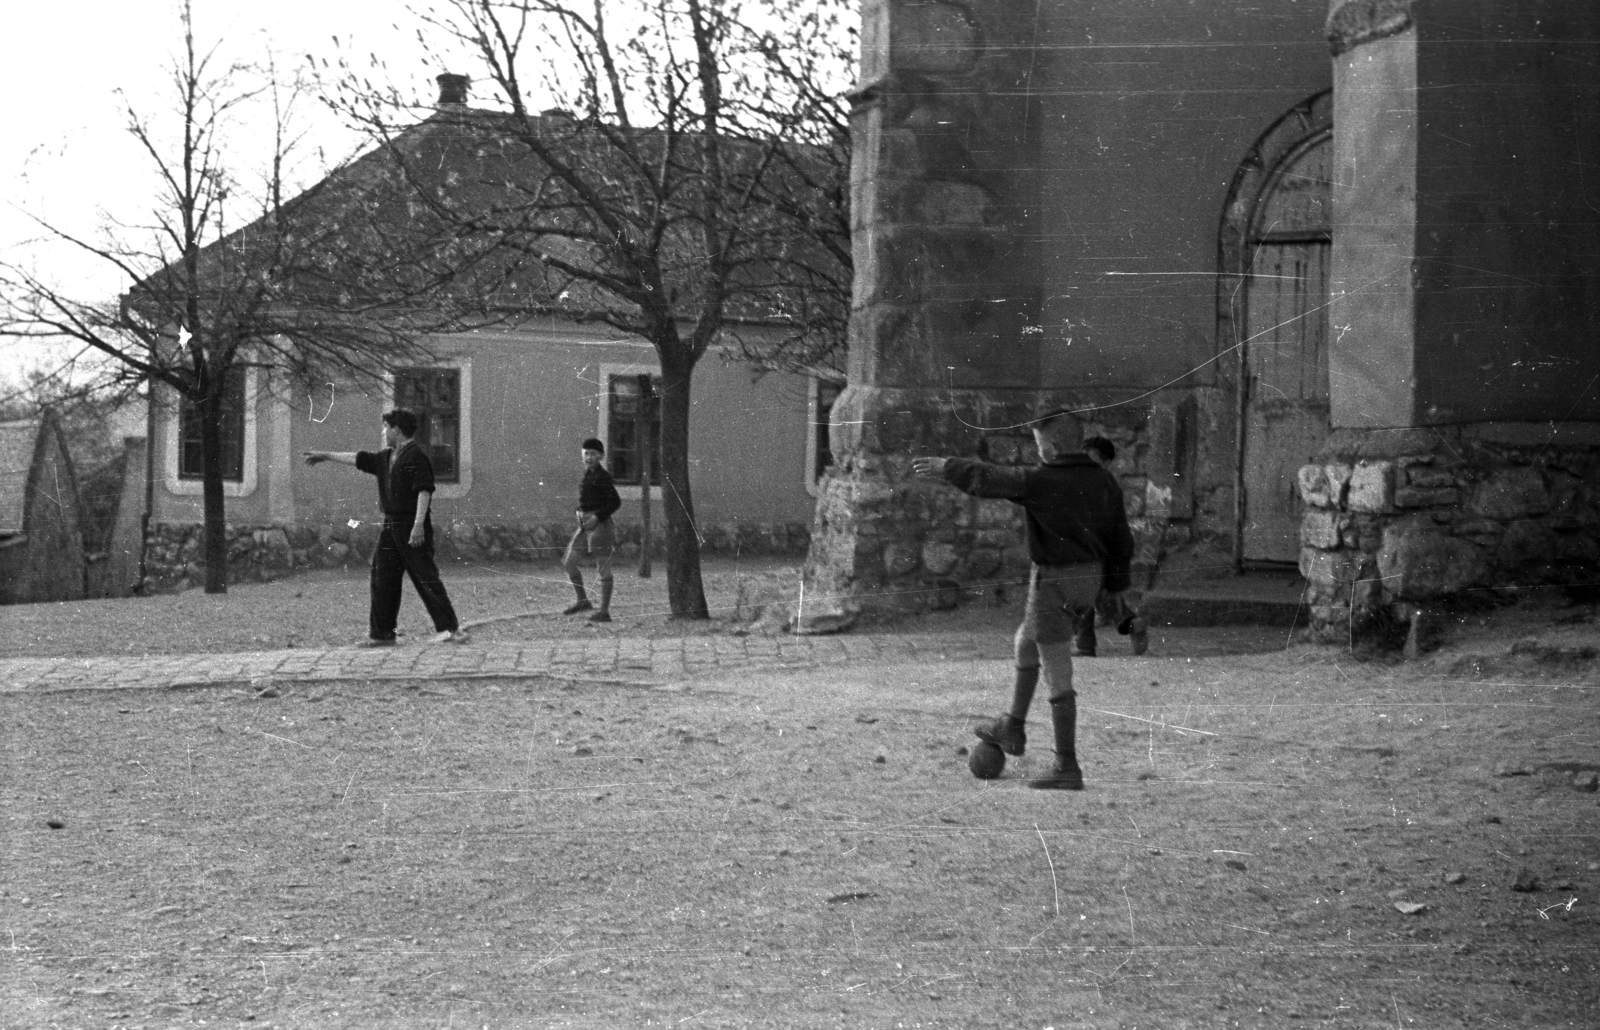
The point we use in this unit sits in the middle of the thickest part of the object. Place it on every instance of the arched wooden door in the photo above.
(1277, 306)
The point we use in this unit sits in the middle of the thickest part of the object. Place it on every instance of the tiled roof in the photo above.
(469, 160)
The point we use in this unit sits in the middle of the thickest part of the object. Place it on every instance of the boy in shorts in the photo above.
(597, 502)
(1079, 541)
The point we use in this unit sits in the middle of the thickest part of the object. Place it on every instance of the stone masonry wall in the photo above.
(886, 541)
(261, 553)
(1398, 518)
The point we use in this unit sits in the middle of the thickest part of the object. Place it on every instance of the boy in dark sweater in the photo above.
(1079, 540)
(597, 502)
(405, 545)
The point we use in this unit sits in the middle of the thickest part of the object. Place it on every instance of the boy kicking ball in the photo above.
(1079, 541)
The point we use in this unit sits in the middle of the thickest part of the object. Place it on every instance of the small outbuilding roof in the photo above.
(19, 440)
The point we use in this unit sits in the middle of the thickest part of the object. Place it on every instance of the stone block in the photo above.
(275, 540)
(1327, 570)
(1429, 477)
(1529, 551)
(1134, 501)
(1313, 483)
(1370, 486)
(983, 561)
(1512, 493)
(1001, 538)
(869, 493)
(939, 557)
(993, 513)
(942, 594)
(1418, 561)
(1537, 434)
(1426, 497)
(1157, 500)
(1003, 450)
(1389, 443)
(900, 559)
(1579, 550)
(1330, 614)
(1319, 528)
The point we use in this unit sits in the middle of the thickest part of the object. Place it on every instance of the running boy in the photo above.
(1078, 539)
(597, 502)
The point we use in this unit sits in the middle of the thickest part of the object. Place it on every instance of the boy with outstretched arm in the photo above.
(598, 500)
(405, 544)
(1079, 540)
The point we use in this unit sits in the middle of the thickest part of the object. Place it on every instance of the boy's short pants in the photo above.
(598, 542)
(1057, 596)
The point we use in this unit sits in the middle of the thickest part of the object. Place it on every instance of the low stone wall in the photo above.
(1399, 518)
(174, 558)
(890, 541)
(884, 540)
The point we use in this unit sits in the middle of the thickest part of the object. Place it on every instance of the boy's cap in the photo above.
(592, 444)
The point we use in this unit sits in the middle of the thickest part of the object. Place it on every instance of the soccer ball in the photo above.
(986, 761)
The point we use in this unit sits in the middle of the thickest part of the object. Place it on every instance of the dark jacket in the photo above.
(597, 495)
(401, 477)
(1074, 510)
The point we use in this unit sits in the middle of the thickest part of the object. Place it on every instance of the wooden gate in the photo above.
(1279, 316)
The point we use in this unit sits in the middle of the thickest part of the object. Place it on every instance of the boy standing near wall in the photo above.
(1113, 607)
(597, 502)
(1079, 540)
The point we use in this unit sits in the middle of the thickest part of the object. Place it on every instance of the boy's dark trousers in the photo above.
(392, 561)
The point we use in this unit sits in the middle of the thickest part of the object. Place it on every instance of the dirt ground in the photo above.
(1280, 838)
(328, 608)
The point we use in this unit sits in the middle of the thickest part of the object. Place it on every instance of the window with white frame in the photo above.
(434, 396)
(182, 469)
(191, 460)
(629, 396)
(441, 397)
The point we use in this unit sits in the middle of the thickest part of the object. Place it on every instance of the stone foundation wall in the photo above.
(884, 540)
(1399, 518)
(261, 553)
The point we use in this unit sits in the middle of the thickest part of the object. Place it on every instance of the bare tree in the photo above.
(308, 287)
(688, 182)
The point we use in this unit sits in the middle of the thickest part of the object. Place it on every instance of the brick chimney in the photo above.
(453, 89)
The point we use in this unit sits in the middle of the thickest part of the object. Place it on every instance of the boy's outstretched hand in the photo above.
(316, 457)
(928, 468)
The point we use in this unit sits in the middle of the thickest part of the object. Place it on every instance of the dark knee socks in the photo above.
(577, 585)
(1022, 691)
(1064, 719)
(605, 594)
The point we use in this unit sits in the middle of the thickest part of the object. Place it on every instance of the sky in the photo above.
(68, 159)
(66, 156)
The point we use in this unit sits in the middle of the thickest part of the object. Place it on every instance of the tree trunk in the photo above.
(216, 526)
(686, 594)
(647, 436)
